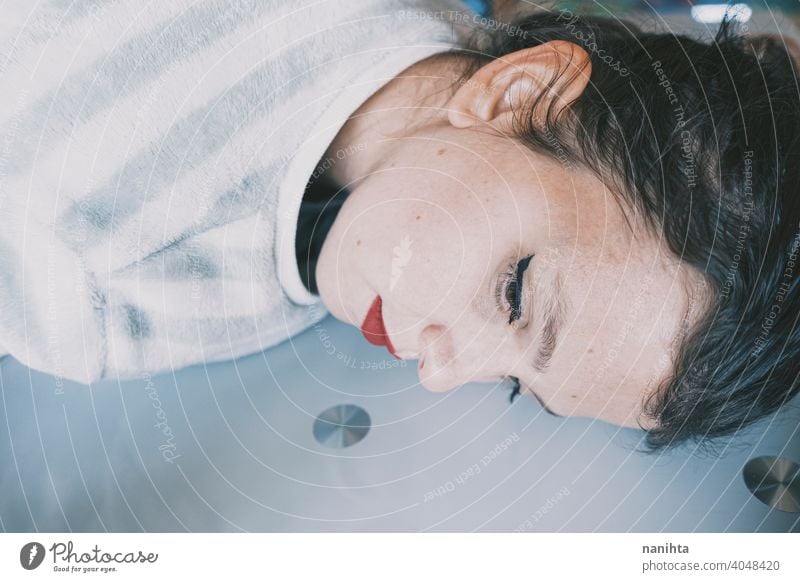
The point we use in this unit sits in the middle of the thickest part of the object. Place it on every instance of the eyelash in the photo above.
(512, 279)
(515, 388)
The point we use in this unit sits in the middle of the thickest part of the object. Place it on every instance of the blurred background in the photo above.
(620, 7)
(684, 12)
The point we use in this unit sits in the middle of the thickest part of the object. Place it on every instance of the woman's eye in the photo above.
(510, 289)
(513, 300)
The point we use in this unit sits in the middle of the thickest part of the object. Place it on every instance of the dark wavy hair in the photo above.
(703, 140)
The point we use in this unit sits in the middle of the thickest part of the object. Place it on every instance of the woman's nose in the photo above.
(436, 358)
(440, 368)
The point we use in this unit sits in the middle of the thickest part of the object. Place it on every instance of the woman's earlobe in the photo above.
(471, 104)
(477, 97)
(459, 116)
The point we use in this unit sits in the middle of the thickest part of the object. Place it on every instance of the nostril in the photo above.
(437, 369)
(435, 342)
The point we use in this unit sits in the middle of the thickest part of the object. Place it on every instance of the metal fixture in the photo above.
(775, 481)
(341, 426)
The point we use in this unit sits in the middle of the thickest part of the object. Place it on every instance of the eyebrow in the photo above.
(554, 315)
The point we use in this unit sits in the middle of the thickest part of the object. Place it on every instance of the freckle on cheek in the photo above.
(358, 243)
(418, 217)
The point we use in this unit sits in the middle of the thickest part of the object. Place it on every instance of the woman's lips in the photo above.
(373, 328)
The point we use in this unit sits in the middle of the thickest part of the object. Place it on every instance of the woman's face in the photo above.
(441, 231)
(437, 234)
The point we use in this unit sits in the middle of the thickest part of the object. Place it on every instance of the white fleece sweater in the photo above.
(153, 157)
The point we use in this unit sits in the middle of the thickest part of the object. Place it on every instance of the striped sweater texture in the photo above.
(153, 157)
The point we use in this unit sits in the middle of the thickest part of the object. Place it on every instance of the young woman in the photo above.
(604, 216)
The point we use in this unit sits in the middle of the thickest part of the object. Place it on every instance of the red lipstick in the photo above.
(373, 328)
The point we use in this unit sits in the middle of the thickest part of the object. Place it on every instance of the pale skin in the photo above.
(441, 186)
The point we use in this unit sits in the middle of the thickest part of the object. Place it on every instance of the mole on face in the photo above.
(441, 151)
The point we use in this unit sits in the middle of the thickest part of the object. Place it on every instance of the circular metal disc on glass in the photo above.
(775, 481)
(341, 426)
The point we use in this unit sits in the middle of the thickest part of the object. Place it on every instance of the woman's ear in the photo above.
(510, 83)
